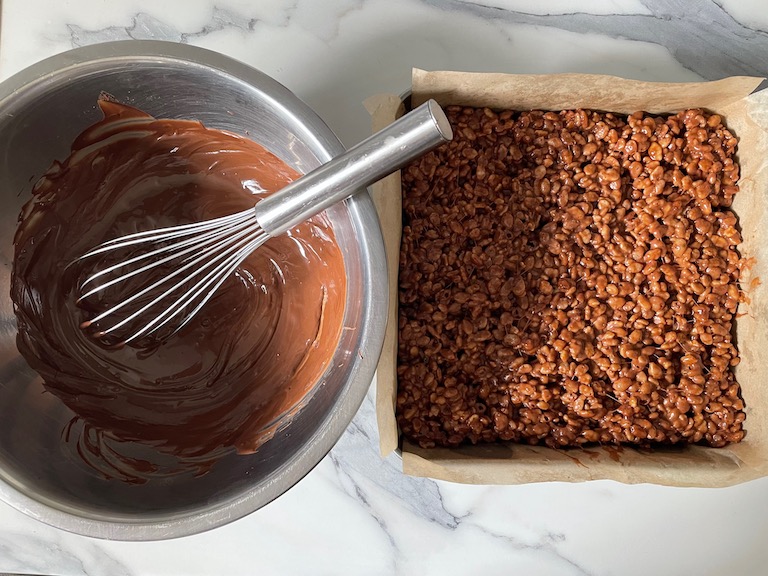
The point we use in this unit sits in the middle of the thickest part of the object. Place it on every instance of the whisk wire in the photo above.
(176, 250)
(168, 233)
(208, 252)
(231, 244)
(210, 284)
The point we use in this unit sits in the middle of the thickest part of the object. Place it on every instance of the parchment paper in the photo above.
(746, 115)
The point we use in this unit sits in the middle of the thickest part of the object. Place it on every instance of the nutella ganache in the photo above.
(243, 364)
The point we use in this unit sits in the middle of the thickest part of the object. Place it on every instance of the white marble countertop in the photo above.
(357, 514)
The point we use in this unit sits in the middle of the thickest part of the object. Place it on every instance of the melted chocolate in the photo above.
(241, 366)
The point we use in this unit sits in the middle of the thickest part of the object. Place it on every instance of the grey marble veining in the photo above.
(701, 35)
(144, 26)
(29, 554)
(356, 513)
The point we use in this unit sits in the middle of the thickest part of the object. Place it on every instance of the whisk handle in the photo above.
(407, 138)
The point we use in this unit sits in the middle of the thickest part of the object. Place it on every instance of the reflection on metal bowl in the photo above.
(42, 109)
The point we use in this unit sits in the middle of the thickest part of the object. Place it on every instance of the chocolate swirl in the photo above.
(241, 365)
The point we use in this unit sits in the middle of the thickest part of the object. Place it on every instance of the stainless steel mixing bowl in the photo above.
(42, 109)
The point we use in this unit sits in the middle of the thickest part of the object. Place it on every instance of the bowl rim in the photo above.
(375, 302)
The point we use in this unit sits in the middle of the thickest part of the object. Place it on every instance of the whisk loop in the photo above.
(202, 255)
(209, 252)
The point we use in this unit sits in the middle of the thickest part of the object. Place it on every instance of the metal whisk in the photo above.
(207, 253)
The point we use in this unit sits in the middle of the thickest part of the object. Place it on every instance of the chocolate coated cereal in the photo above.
(568, 278)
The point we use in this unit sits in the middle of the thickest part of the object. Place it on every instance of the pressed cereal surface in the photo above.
(569, 278)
